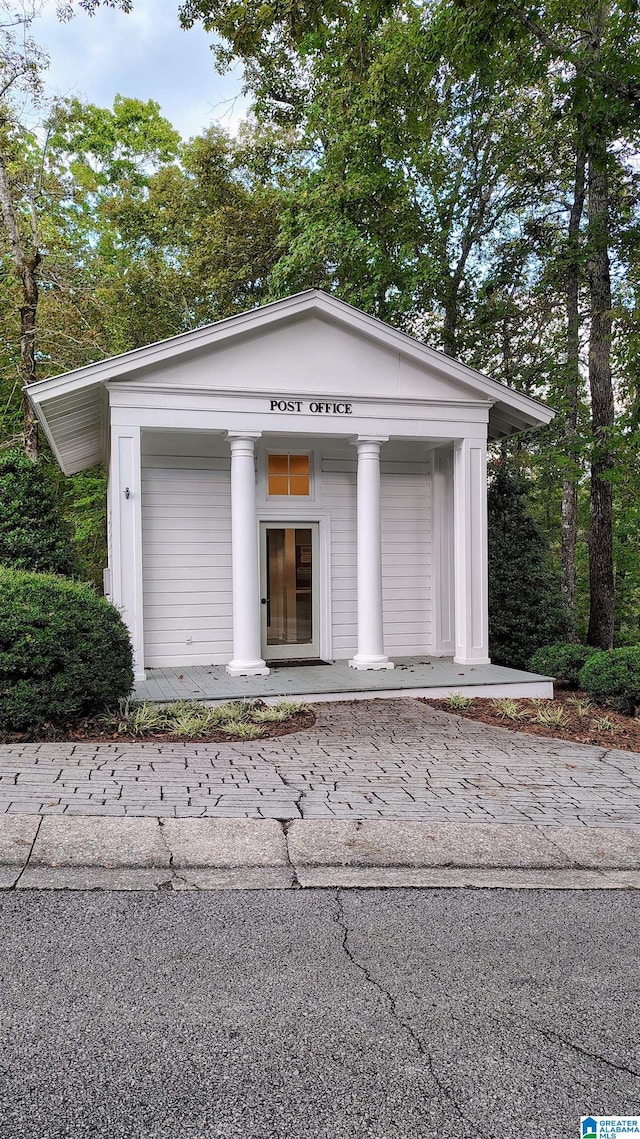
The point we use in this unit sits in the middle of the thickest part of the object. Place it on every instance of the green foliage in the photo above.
(33, 533)
(276, 713)
(602, 724)
(417, 160)
(581, 706)
(190, 719)
(456, 702)
(441, 146)
(563, 661)
(508, 709)
(525, 605)
(242, 729)
(613, 678)
(111, 147)
(551, 717)
(64, 652)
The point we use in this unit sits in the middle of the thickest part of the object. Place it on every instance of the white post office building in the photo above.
(300, 482)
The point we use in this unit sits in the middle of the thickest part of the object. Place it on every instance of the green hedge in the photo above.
(33, 533)
(562, 661)
(613, 678)
(64, 651)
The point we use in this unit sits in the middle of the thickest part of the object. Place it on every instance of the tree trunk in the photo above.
(450, 322)
(601, 579)
(26, 267)
(28, 359)
(572, 384)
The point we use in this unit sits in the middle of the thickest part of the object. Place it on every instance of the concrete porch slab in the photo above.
(412, 676)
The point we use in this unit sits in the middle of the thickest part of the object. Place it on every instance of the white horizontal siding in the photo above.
(405, 503)
(186, 523)
(186, 549)
(406, 548)
(338, 475)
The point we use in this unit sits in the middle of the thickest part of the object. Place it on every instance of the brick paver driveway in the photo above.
(368, 759)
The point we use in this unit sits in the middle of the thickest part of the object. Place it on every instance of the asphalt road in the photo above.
(317, 1014)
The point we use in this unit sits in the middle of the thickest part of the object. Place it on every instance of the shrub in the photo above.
(562, 661)
(525, 603)
(64, 651)
(33, 533)
(613, 678)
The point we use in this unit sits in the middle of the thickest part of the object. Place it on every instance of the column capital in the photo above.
(479, 437)
(356, 440)
(249, 436)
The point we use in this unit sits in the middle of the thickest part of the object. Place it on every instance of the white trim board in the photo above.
(522, 690)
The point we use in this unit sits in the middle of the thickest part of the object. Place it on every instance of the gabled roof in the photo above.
(71, 407)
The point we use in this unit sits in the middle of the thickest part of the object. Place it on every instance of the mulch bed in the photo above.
(624, 735)
(92, 731)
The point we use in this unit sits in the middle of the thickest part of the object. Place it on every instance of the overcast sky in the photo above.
(145, 54)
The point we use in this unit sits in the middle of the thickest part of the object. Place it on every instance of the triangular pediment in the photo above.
(310, 344)
(308, 354)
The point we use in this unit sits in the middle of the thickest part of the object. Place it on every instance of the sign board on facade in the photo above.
(314, 406)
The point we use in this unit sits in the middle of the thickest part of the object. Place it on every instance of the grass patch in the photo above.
(581, 706)
(190, 719)
(242, 729)
(138, 719)
(276, 713)
(508, 709)
(602, 724)
(551, 717)
(457, 702)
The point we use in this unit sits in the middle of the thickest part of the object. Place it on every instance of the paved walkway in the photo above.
(387, 759)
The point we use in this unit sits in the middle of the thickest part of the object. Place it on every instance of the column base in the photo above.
(247, 668)
(471, 660)
(370, 664)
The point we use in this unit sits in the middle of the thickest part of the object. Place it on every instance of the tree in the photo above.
(24, 244)
(444, 139)
(21, 65)
(33, 533)
(593, 51)
(526, 609)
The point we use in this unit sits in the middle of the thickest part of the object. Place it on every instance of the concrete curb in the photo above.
(98, 853)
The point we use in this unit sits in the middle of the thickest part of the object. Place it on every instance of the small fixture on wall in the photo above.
(127, 492)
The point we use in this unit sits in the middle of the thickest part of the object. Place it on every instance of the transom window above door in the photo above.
(288, 475)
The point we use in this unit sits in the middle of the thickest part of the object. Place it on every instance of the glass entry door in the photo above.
(289, 591)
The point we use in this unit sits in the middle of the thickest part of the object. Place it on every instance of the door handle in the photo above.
(264, 600)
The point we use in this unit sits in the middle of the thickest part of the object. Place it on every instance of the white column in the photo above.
(370, 654)
(125, 508)
(247, 660)
(442, 572)
(470, 548)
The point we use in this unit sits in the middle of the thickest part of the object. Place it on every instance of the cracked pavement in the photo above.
(377, 759)
(321, 1015)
